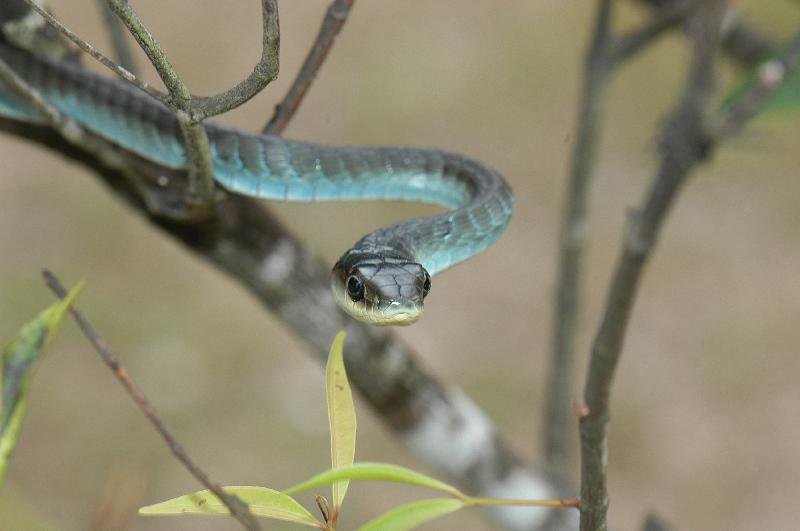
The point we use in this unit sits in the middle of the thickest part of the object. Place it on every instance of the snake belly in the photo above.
(478, 201)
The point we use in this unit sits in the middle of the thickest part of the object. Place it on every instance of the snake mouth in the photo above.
(377, 315)
(399, 319)
(383, 319)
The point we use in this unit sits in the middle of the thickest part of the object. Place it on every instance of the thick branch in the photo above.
(685, 144)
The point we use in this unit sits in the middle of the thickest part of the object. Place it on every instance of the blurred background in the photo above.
(704, 428)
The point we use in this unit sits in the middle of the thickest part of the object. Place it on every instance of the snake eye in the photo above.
(426, 286)
(355, 288)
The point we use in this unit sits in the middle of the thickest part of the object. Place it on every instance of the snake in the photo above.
(384, 278)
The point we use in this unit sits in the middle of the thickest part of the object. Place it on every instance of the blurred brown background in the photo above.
(704, 427)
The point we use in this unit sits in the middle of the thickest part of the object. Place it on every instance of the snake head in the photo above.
(379, 289)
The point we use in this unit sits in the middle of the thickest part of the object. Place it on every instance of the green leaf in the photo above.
(18, 361)
(262, 501)
(341, 415)
(9, 438)
(375, 472)
(413, 514)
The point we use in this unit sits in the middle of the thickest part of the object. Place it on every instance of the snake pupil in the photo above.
(355, 288)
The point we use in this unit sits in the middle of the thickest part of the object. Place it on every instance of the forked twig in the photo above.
(237, 507)
(684, 145)
(687, 142)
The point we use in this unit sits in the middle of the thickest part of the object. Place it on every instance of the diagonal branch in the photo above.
(770, 78)
(685, 144)
(94, 52)
(236, 506)
(662, 19)
(335, 17)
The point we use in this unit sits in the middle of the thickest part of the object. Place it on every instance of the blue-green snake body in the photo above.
(385, 276)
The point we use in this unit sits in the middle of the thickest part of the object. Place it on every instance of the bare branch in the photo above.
(116, 31)
(662, 19)
(771, 76)
(335, 17)
(558, 414)
(685, 144)
(94, 52)
(746, 45)
(740, 41)
(236, 506)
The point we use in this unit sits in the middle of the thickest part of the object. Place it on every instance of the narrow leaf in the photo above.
(341, 415)
(21, 353)
(262, 501)
(9, 438)
(413, 514)
(16, 368)
(375, 472)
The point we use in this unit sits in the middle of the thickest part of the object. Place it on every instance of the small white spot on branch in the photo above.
(278, 264)
(771, 74)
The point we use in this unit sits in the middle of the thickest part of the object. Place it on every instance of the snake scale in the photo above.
(385, 277)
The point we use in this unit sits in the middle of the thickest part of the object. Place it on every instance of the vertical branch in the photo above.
(685, 143)
(335, 17)
(558, 418)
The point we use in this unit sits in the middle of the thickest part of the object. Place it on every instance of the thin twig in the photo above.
(94, 52)
(746, 45)
(661, 20)
(740, 41)
(770, 78)
(116, 31)
(236, 506)
(685, 144)
(558, 414)
(335, 17)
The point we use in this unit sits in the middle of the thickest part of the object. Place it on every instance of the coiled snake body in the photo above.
(385, 276)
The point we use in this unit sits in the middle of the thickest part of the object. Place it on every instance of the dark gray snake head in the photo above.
(380, 289)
